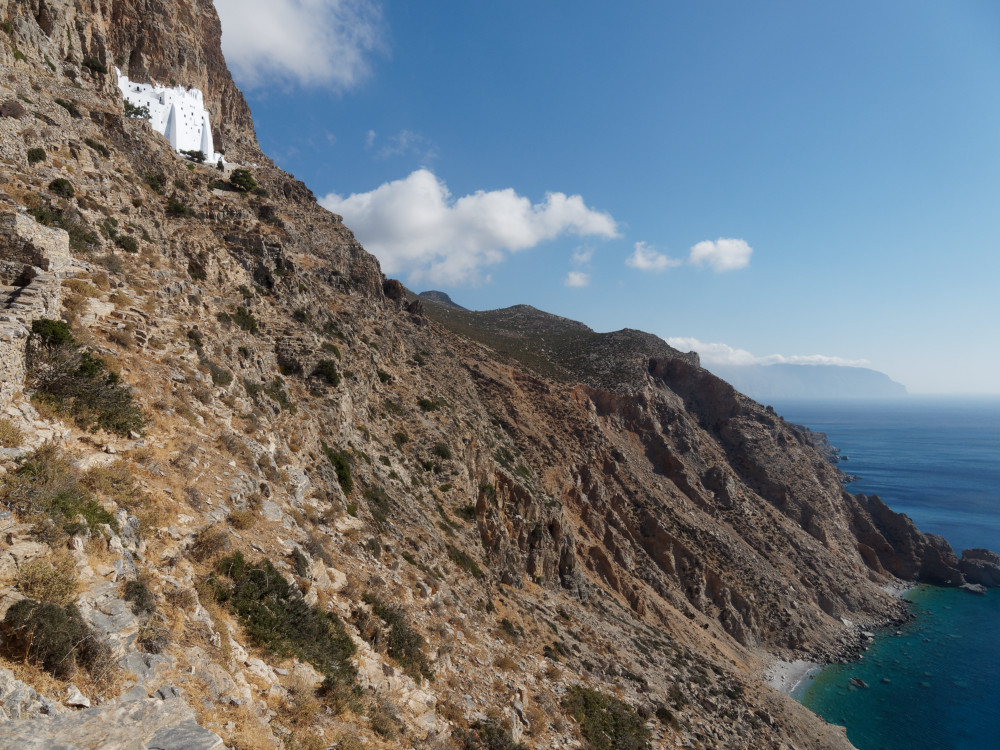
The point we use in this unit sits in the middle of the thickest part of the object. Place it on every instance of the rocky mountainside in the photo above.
(256, 494)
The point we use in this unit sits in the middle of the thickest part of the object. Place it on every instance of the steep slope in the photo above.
(342, 513)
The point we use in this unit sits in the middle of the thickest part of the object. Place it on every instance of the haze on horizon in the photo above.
(762, 183)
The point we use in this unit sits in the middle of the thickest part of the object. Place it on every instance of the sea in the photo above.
(935, 683)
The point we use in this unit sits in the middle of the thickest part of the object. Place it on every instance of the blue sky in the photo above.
(767, 181)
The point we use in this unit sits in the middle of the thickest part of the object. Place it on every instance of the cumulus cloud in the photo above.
(645, 258)
(416, 227)
(582, 256)
(308, 42)
(723, 354)
(577, 279)
(721, 255)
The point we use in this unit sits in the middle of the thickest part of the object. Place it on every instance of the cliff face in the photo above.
(476, 513)
(176, 43)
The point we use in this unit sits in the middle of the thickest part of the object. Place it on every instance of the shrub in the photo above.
(47, 486)
(51, 579)
(62, 187)
(442, 451)
(242, 519)
(98, 147)
(154, 182)
(196, 156)
(95, 65)
(126, 243)
(10, 434)
(384, 376)
(427, 404)
(465, 562)
(400, 438)
(51, 332)
(276, 390)
(77, 383)
(138, 594)
(378, 505)
(402, 642)
(486, 735)
(326, 370)
(606, 722)
(69, 107)
(152, 638)
(208, 543)
(245, 320)
(243, 180)
(134, 111)
(342, 465)
(275, 616)
(178, 208)
(55, 637)
(36, 155)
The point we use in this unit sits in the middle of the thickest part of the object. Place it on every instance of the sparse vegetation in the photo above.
(55, 637)
(98, 147)
(62, 188)
(326, 370)
(401, 642)
(245, 320)
(10, 434)
(36, 155)
(95, 65)
(606, 723)
(275, 616)
(243, 180)
(76, 382)
(441, 450)
(69, 107)
(177, 208)
(342, 466)
(51, 579)
(465, 562)
(134, 111)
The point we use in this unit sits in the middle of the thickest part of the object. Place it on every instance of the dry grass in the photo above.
(51, 579)
(10, 434)
(506, 664)
(82, 288)
(242, 519)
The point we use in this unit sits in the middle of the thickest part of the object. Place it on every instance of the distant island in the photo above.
(784, 381)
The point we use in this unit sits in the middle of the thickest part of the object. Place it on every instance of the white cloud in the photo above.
(405, 142)
(416, 227)
(582, 256)
(307, 42)
(577, 279)
(723, 354)
(646, 258)
(721, 255)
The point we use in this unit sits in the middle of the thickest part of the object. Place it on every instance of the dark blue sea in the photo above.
(935, 686)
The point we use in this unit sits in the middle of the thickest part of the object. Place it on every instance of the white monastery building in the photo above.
(177, 113)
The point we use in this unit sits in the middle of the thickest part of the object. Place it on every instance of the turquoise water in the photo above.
(936, 686)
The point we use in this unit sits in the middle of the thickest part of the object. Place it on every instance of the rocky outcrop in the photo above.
(981, 566)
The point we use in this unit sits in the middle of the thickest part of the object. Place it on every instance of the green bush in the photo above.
(126, 243)
(379, 505)
(51, 332)
(75, 382)
(95, 65)
(62, 187)
(427, 404)
(275, 616)
(155, 182)
(465, 562)
(196, 156)
(178, 208)
(243, 180)
(442, 451)
(486, 735)
(326, 370)
(69, 107)
(276, 391)
(342, 465)
(400, 438)
(402, 642)
(45, 485)
(606, 722)
(245, 320)
(36, 155)
(98, 147)
(55, 637)
(139, 113)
